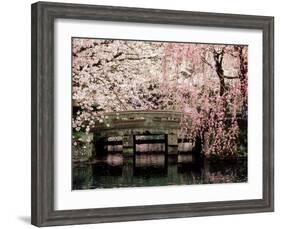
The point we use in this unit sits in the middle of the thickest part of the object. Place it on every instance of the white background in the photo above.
(15, 113)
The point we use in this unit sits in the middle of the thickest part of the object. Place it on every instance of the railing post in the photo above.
(166, 144)
(134, 144)
(166, 151)
(134, 150)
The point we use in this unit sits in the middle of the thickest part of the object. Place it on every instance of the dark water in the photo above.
(114, 170)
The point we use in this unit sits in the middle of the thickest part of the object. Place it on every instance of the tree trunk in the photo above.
(218, 57)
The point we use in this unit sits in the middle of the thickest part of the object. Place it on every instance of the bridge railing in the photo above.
(131, 119)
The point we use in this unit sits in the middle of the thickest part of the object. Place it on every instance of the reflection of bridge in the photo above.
(131, 128)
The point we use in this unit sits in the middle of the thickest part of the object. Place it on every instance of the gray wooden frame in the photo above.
(43, 17)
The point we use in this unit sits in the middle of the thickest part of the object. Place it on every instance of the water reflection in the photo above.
(115, 170)
(150, 165)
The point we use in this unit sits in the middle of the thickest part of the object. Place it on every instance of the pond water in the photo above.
(115, 170)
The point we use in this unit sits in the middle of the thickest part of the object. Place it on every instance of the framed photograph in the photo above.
(144, 114)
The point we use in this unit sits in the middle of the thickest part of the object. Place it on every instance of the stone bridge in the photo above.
(129, 128)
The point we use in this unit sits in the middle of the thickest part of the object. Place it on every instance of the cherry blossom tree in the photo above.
(206, 82)
(214, 95)
(113, 76)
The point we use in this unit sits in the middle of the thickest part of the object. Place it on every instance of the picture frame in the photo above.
(44, 14)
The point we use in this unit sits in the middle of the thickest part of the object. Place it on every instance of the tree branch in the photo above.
(206, 62)
(231, 77)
